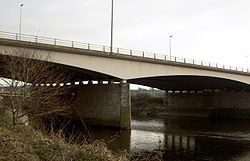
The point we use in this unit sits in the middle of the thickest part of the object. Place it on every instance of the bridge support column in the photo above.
(105, 105)
(220, 104)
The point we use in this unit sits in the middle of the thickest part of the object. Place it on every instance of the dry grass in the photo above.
(23, 143)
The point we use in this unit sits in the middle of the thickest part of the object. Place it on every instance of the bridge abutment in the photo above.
(106, 105)
(215, 104)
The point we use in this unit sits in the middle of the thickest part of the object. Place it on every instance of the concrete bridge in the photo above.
(94, 62)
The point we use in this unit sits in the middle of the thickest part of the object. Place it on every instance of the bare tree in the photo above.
(35, 87)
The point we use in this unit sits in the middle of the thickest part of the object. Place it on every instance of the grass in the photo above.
(24, 143)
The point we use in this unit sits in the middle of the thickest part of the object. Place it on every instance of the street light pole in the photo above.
(170, 45)
(112, 12)
(247, 61)
(20, 21)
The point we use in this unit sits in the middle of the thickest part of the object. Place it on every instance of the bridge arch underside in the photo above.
(76, 74)
(190, 82)
(170, 82)
(80, 74)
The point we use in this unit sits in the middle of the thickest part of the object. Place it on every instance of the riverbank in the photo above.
(22, 143)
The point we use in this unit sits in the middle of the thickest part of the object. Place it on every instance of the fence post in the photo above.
(131, 52)
(193, 61)
(201, 63)
(184, 60)
(117, 50)
(36, 39)
(88, 46)
(103, 48)
(165, 56)
(72, 44)
(174, 58)
(230, 67)
(55, 41)
(154, 56)
(209, 64)
(16, 36)
(143, 54)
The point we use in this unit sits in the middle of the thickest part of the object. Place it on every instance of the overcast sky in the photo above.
(211, 30)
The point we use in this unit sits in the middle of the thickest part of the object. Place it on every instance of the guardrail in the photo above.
(75, 44)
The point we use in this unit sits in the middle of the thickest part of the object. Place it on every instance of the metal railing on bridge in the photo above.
(75, 44)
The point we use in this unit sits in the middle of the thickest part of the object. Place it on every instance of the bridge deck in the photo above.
(8, 38)
(92, 62)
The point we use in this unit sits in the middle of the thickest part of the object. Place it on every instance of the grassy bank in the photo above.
(23, 143)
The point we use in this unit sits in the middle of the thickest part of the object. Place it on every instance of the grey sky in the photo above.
(213, 30)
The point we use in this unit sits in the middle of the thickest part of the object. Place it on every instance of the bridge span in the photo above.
(95, 62)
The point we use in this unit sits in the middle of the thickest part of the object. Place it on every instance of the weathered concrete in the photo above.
(105, 105)
(221, 104)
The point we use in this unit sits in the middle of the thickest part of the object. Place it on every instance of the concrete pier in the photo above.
(106, 105)
(219, 104)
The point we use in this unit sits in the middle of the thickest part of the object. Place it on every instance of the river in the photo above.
(184, 139)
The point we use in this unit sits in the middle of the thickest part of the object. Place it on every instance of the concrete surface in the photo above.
(105, 105)
(221, 104)
(125, 67)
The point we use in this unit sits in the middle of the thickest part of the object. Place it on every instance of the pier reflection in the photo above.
(182, 139)
(180, 142)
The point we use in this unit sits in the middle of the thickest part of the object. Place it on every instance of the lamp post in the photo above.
(112, 13)
(170, 45)
(247, 61)
(20, 21)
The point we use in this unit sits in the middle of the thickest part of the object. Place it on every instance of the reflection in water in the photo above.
(183, 139)
(178, 142)
(146, 140)
(115, 139)
(150, 139)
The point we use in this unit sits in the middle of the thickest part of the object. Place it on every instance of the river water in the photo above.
(184, 139)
